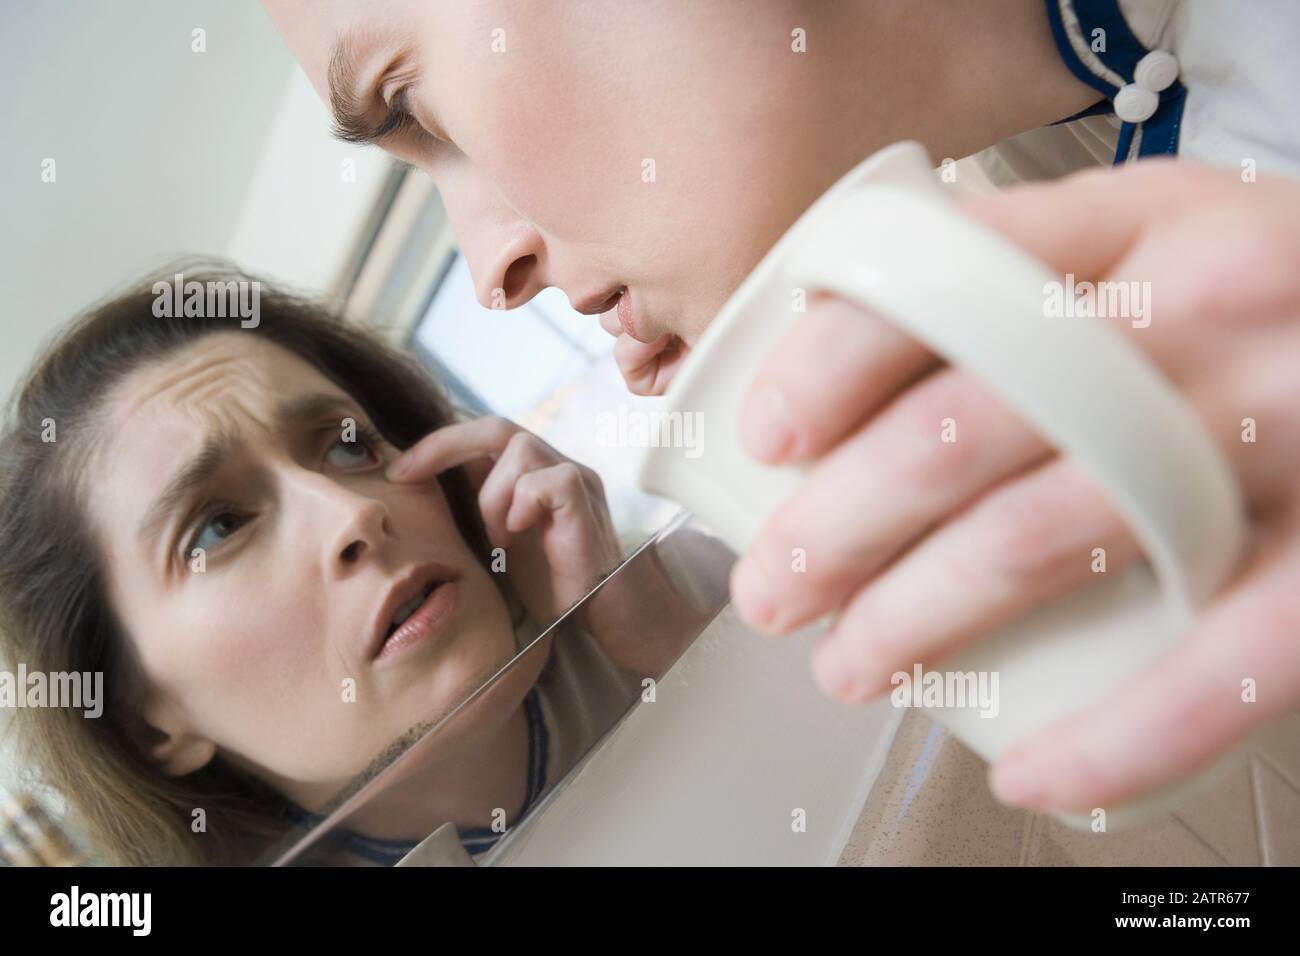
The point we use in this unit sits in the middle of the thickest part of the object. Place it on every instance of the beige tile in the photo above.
(1224, 817)
(1040, 849)
(1279, 812)
(1163, 841)
(1280, 744)
(931, 806)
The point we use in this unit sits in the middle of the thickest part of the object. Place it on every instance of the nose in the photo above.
(511, 275)
(362, 528)
(350, 527)
(507, 255)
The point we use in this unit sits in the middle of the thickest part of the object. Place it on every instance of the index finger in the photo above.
(452, 445)
(834, 368)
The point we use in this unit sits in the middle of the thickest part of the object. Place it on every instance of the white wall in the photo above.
(154, 146)
(304, 208)
(159, 151)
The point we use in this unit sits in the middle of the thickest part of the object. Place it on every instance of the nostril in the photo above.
(517, 276)
(351, 552)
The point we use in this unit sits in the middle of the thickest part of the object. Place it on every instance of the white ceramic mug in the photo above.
(889, 237)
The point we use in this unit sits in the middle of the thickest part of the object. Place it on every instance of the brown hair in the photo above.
(55, 613)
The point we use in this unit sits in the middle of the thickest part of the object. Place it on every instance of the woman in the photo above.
(200, 510)
(643, 157)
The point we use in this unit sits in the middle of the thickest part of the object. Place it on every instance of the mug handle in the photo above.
(977, 300)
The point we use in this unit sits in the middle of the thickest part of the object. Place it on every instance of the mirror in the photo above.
(247, 445)
(565, 689)
(228, 699)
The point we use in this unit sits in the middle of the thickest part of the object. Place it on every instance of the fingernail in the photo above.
(767, 424)
(750, 593)
(1015, 781)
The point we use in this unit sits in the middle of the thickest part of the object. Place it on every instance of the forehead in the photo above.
(211, 382)
(161, 414)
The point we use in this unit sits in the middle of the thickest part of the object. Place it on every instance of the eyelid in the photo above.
(368, 436)
(192, 524)
(400, 101)
(193, 527)
(399, 104)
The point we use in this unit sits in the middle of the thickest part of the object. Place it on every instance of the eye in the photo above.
(404, 119)
(215, 529)
(359, 453)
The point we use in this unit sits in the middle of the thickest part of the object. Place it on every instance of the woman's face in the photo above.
(593, 146)
(265, 652)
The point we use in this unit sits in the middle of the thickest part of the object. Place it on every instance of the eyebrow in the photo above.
(197, 472)
(200, 469)
(351, 114)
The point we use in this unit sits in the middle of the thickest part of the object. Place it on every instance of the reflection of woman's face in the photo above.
(266, 655)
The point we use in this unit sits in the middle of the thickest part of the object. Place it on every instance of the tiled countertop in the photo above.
(931, 805)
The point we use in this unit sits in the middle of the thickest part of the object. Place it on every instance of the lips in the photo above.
(627, 316)
(431, 589)
(601, 302)
(619, 297)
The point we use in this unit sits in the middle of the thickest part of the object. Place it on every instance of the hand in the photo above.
(918, 546)
(547, 512)
(646, 367)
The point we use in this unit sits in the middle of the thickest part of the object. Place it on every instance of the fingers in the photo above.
(538, 494)
(1033, 538)
(523, 453)
(859, 360)
(1228, 264)
(452, 445)
(1236, 671)
(509, 499)
(1087, 222)
(926, 456)
(562, 508)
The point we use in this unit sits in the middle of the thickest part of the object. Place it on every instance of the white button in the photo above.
(1135, 104)
(1156, 71)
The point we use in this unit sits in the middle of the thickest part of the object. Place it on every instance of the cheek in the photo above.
(426, 512)
(226, 640)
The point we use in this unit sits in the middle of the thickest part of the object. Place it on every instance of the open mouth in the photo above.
(612, 301)
(415, 610)
(407, 609)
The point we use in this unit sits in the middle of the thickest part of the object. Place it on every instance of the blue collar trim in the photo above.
(478, 839)
(1121, 53)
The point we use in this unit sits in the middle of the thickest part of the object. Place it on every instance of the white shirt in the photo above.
(1233, 102)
